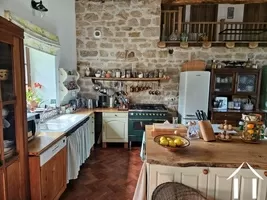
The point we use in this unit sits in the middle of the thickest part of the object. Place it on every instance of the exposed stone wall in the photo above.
(134, 25)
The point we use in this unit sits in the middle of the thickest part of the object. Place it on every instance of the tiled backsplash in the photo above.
(134, 25)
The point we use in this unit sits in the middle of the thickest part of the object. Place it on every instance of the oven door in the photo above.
(136, 128)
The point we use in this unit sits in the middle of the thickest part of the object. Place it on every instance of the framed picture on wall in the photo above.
(230, 12)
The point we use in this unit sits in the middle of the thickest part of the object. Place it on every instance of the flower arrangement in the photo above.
(33, 99)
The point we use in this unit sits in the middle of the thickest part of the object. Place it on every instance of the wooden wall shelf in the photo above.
(129, 79)
(213, 44)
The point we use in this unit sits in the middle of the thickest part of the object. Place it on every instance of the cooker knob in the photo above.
(149, 113)
(153, 113)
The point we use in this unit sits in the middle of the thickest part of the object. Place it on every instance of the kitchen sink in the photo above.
(61, 123)
(53, 126)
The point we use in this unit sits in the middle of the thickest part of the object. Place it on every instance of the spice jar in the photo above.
(118, 73)
(156, 73)
(160, 73)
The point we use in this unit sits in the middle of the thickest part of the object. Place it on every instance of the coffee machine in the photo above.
(103, 101)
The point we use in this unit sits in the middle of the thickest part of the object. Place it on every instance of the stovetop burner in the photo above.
(148, 107)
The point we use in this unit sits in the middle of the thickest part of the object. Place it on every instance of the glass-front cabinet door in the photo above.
(246, 83)
(8, 102)
(223, 82)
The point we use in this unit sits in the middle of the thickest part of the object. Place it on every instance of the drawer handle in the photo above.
(55, 148)
(116, 115)
(205, 171)
(265, 173)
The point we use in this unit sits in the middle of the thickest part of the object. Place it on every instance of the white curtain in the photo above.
(78, 147)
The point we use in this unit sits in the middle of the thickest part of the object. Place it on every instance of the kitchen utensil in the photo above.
(186, 142)
(198, 115)
(97, 86)
(103, 91)
(131, 88)
(203, 114)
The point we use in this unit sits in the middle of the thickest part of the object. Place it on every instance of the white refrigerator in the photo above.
(193, 94)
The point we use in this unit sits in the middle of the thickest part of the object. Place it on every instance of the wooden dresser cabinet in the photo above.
(13, 138)
(234, 83)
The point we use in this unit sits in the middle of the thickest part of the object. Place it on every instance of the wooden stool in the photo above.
(176, 191)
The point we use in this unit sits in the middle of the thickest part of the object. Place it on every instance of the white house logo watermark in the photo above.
(254, 181)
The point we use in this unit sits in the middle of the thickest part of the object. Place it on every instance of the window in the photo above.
(27, 66)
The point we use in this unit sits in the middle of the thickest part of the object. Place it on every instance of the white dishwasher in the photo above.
(52, 151)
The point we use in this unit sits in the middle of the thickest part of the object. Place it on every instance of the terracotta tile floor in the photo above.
(108, 174)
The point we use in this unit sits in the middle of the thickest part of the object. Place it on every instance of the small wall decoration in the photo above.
(97, 34)
(230, 12)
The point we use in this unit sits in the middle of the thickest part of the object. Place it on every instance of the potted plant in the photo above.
(33, 99)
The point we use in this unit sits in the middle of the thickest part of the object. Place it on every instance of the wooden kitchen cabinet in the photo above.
(210, 181)
(115, 128)
(222, 189)
(2, 184)
(190, 176)
(14, 182)
(48, 174)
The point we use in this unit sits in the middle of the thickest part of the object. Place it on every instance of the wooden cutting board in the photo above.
(194, 65)
(161, 129)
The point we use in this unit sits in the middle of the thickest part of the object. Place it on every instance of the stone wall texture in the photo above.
(134, 25)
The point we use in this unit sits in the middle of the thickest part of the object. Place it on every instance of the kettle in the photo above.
(111, 101)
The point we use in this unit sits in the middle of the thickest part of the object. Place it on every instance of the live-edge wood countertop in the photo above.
(44, 140)
(208, 154)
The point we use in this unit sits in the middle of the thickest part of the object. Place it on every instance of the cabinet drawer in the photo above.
(115, 114)
(227, 116)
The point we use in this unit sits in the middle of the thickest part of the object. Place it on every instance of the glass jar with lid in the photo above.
(252, 131)
(118, 73)
(156, 73)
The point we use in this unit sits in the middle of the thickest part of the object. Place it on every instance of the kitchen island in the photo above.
(207, 165)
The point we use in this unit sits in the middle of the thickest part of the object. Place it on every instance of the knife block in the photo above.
(206, 131)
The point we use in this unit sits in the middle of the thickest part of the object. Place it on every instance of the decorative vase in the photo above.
(32, 105)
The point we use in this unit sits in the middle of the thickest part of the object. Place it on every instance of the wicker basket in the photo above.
(4, 74)
(176, 191)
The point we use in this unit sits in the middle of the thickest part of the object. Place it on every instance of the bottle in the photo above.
(87, 72)
(213, 65)
(241, 125)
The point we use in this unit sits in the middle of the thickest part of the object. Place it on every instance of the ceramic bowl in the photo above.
(97, 75)
(186, 142)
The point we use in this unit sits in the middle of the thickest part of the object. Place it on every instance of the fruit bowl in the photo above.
(177, 143)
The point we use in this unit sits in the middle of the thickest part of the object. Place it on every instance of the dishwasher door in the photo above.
(52, 151)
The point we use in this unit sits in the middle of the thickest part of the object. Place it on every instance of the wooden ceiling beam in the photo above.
(212, 1)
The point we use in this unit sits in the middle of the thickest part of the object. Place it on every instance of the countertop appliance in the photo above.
(33, 126)
(193, 94)
(92, 103)
(140, 115)
(103, 101)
